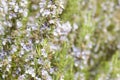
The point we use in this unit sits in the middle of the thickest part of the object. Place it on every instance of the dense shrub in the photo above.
(59, 40)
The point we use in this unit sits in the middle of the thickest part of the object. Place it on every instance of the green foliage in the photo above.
(96, 42)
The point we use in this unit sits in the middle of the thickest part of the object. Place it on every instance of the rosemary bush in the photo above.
(59, 40)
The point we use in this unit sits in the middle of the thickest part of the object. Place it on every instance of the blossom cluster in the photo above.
(26, 31)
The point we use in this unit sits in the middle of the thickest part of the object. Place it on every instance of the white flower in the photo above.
(21, 77)
(3, 76)
(40, 61)
(54, 47)
(23, 4)
(25, 13)
(46, 13)
(14, 49)
(12, 3)
(22, 52)
(1, 30)
(9, 24)
(44, 72)
(55, 33)
(8, 67)
(4, 3)
(20, 10)
(63, 38)
(30, 71)
(87, 37)
(75, 26)
(44, 53)
(4, 42)
(16, 8)
(51, 21)
(35, 7)
(63, 29)
(67, 27)
(9, 59)
(37, 78)
(51, 70)
(62, 77)
(1, 65)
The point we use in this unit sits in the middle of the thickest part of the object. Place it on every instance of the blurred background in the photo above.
(98, 38)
